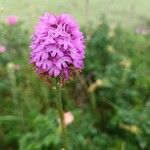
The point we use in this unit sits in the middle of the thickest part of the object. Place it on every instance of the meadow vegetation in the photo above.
(109, 100)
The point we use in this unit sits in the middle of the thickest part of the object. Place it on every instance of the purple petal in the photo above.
(58, 64)
(60, 53)
(67, 59)
(56, 72)
(53, 54)
(45, 56)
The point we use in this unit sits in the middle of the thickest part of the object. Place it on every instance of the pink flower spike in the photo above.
(57, 46)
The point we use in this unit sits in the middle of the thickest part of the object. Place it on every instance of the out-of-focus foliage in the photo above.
(120, 59)
(14, 37)
(109, 101)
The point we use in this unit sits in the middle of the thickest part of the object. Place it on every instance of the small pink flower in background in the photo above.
(68, 117)
(11, 20)
(2, 49)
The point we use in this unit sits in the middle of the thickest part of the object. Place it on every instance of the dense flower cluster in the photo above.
(11, 20)
(57, 46)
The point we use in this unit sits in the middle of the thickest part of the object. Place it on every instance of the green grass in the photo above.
(127, 12)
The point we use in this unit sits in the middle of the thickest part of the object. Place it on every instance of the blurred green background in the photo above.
(109, 100)
(128, 12)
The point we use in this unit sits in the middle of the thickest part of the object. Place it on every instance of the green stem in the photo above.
(93, 100)
(61, 114)
(14, 89)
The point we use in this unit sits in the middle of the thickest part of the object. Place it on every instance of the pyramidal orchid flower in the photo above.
(57, 53)
(57, 47)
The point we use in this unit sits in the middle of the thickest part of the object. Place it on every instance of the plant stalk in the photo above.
(61, 114)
